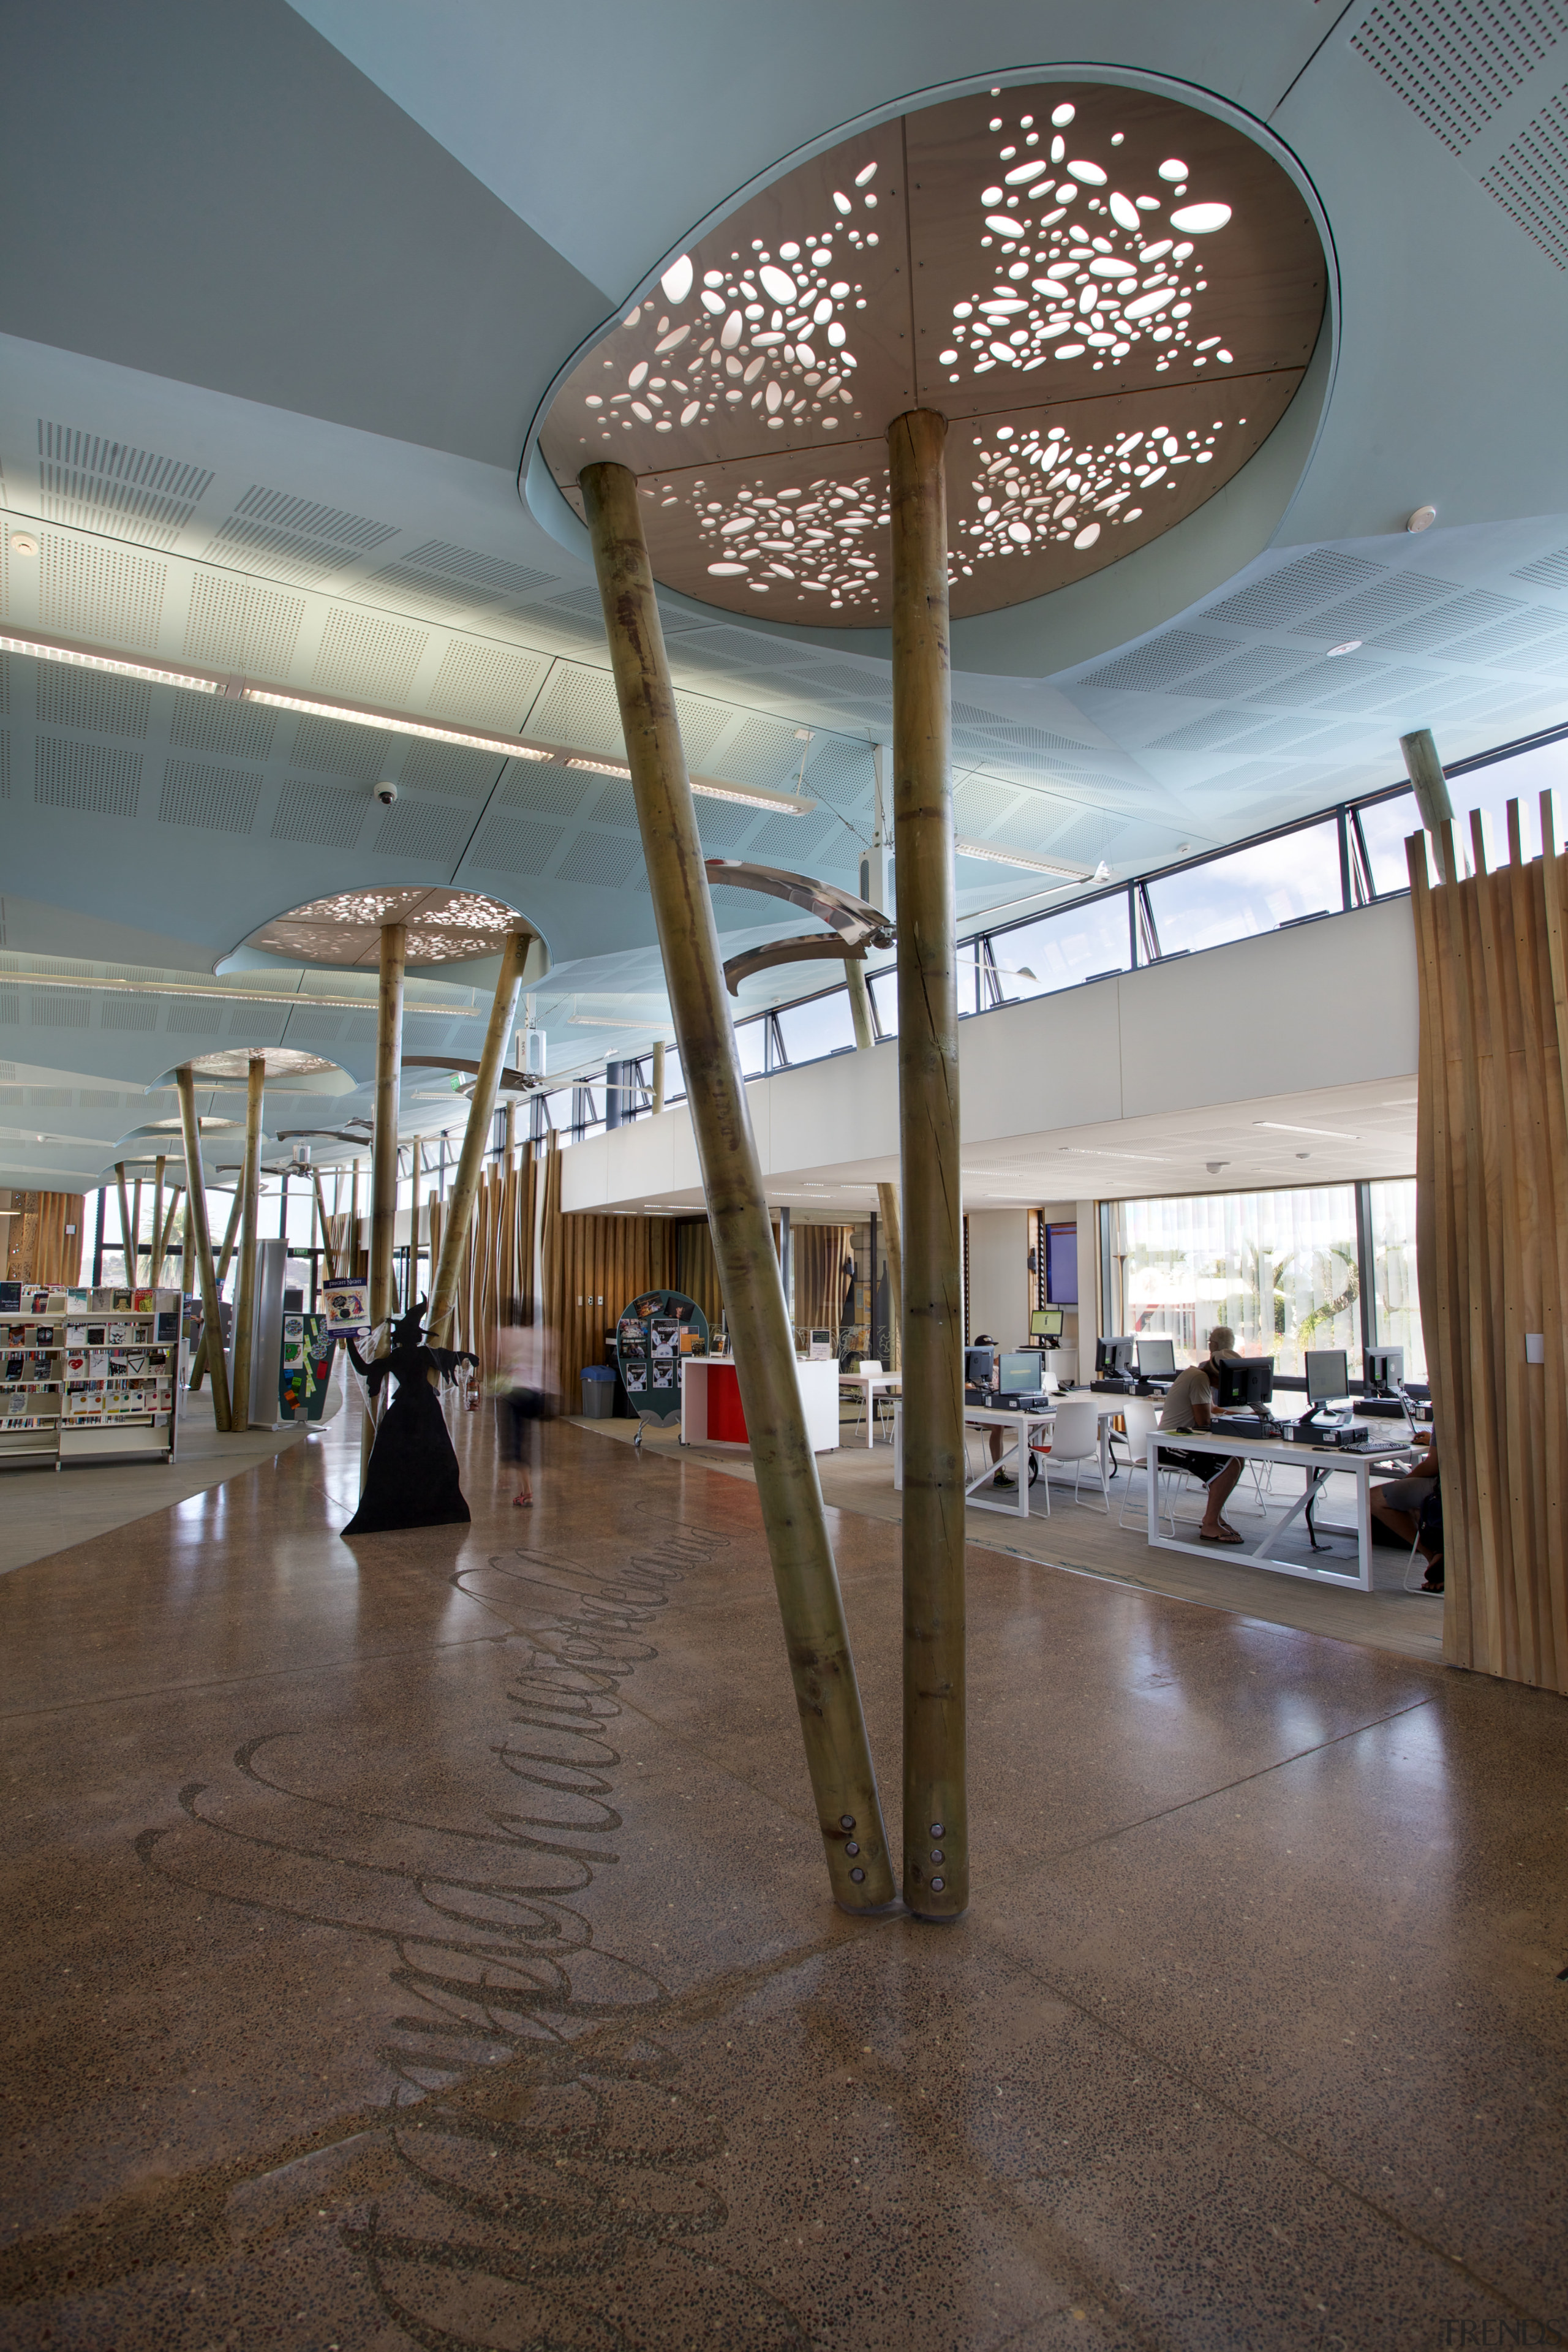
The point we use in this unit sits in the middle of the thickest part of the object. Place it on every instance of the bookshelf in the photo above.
(88, 1374)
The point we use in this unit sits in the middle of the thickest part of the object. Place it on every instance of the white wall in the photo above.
(1331, 1004)
(999, 1274)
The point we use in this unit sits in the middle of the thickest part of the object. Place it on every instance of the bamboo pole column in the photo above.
(838, 1752)
(250, 1216)
(153, 1263)
(327, 1249)
(134, 1276)
(126, 1237)
(384, 1148)
(936, 1810)
(199, 1360)
(658, 1073)
(459, 1210)
(201, 1241)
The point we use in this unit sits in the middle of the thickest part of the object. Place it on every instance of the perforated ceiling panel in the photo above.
(295, 538)
(321, 814)
(440, 579)
(487, 685)
(447, 770)
(328, 747)
(539, 784)
(98, 705)
(103, 485)
(206, 722)
(433, 830)
(1456, 62)
(607, 860)
(514, 845)
(236, 625)
(372, 660)
(1283, 598)
(1383, 607)
(1547, 571)
(89, 777)
(215, 800)
(92, 591)
(579, 706)
(1151, 669)
(1257, 667)
(1530, 179)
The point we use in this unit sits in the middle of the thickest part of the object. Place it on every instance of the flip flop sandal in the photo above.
(1227, 1535)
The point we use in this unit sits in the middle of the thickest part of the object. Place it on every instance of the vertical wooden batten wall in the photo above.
(1492, 1243)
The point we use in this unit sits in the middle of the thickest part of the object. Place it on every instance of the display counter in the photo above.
(711, 1412)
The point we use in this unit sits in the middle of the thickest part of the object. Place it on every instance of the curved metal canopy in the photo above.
(856, 923)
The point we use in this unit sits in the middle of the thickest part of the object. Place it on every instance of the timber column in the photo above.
(383, 1146)
(838, 1754)
(459, 1211)
(936, 1807)
(250, 1203)
(201, 1242)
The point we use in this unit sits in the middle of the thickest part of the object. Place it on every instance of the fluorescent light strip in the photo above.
(1280, 1127)
(996, 855)
(513, 745)
(79, 660)
(350, 714)
(784, 803)
(235, 995)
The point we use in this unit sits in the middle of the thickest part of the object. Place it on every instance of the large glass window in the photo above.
(751, 1038)
(674, 1084)
(1397, 1307)
(1058, 951)
(1252, 890)
(1279, 1268)
(884, 987)
(816, 1026)
(1384, 830)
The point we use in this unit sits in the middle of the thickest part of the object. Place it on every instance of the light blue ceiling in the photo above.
(292, 292)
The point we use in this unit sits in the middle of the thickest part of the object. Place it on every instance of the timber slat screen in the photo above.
(1492, 1243)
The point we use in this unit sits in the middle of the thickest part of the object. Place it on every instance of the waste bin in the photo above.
(598, 1392)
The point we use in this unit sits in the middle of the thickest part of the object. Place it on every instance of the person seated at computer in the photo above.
(1189, 1405)
(998, 1437)
(1397, 1503)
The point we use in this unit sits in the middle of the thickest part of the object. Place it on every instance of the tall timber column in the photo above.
(936, 1808)
(482, 1111)
(205, 1272)
(383, 1146)
(839, 1756)
(250, 1203)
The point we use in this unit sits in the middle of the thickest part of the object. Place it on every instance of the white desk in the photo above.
(872, 1385)
(1318, 1465)
(712, 1412)
(985, 1416)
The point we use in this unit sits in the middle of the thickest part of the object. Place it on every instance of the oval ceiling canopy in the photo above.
(1111, 297)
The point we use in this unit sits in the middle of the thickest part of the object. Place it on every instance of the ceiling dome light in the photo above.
(1351, 645)
(1423, 518)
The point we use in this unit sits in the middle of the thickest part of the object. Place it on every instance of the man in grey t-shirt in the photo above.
(1189, 1404)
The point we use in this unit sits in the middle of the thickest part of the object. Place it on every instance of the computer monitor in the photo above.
(1045, 1322)
(1156, 1359)
(1114, 1358)
(1383, 1370)
(1328, 1375)
(1246, 1380)
(979, 1364)
(1020, 1370)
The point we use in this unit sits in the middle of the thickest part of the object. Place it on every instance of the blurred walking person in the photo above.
(526, 1391)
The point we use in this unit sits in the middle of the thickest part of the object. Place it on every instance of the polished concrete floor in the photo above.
(428, 1945)
(1079, 1533)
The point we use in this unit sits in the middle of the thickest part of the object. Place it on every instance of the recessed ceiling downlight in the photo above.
(1423, 518)
(1351, 645)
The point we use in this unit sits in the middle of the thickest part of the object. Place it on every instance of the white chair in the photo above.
(1075, 1438)
(868, 1364)
(1142, 1416)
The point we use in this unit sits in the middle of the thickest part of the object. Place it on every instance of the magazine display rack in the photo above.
(87, 1374)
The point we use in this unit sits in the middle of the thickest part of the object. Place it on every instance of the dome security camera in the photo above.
(387, 795)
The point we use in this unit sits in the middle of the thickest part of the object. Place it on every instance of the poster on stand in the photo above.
(652, 1334)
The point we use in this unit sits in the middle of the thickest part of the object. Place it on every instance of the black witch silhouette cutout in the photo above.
(412, 1481)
